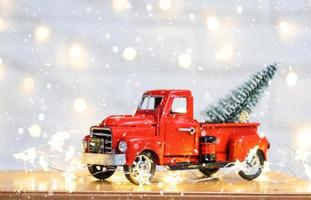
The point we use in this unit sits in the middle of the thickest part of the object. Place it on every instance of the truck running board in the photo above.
(186, 166)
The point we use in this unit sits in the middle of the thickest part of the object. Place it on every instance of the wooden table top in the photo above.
(188, 184)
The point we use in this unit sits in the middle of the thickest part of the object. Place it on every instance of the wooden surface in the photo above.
(167, 185)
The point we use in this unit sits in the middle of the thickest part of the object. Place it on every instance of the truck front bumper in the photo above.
(103, 159)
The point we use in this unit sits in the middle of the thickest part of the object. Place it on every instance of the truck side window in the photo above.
(150, 102)
(179, 105)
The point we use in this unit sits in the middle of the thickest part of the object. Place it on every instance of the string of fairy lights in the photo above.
(77, 54)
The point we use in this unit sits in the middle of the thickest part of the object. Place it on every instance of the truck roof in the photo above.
(168, 91)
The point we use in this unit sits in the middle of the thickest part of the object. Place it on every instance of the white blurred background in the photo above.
(65, 65)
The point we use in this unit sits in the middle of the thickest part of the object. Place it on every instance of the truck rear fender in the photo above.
(240, 146)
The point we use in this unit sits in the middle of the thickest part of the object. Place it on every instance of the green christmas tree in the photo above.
(237, 106)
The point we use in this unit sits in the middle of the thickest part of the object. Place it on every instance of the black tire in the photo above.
(131, 173)
(208, 172)
(101, 172)
(250, 177)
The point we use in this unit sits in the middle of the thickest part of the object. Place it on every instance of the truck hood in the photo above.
(128, 120)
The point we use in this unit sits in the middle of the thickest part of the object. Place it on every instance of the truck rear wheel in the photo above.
(142, 170)
(253, 168)
(101, 172)
(208, 172)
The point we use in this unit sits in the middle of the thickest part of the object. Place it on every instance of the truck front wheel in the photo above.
(101, 172)
(142, 170)
(252, 168)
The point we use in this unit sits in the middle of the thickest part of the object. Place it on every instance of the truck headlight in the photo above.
(122, 146)
(84, 145)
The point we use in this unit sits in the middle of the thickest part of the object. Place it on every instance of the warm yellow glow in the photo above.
(184, 60)
(42, 33)
(284, 27)
(120, 5)
(291, 78)
(165, 4)
(78, 57)
(212, 23)
(75, 51)
(224, 53)
(79, 105)
(2, 70)
(3, 25)
(129, 53)
(34, 130)
(304, 139)
(28, 83)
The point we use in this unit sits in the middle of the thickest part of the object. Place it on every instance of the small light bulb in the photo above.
(212, 23)
(184, 61)
(291, 78)
(284, 26)
(129, 53)
(165, 4)
(75, 51)
(79, 105)
(120, 5)
(34, 130)
(28, 83)
(42, 33)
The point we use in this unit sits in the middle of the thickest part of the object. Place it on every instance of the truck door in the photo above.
(179, 129)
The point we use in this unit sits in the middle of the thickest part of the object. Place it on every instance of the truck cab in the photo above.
(163, 131)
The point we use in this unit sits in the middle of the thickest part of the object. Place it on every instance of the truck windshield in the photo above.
(150, 102)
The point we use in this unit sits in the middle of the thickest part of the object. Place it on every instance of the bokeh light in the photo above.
(79, 105)
(184, 61)
(129, 53)
(120, 5)
(304, 139)
(239, 9)
(78, 57)
(3, 25)
(42, 33)
(284, 27)
(291, 78)
(34, 130)
(28, 83)
(225, 53)
(212, 23)
(165, 4)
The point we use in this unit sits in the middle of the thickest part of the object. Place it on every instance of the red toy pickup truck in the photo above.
(164, 132)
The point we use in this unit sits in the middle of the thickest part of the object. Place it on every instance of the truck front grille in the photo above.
(101, 141)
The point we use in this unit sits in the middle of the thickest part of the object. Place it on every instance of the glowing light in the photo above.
(149, 7)
(291, 78)
(165, 4)
(43, 163)
(42, 33)
(225, 53)
(57, 141)
(239, 9)
(284, 26)
(120, 5)
(20, 131)
(75, 51)
(304, 139)
(34, 130)
(79, 105)
(3, 25)
(28, 155)
(2, 70)
(212, 23)
(78, 57)
(28, 83)
(184, 61)
(129, 53)
(41, 116)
